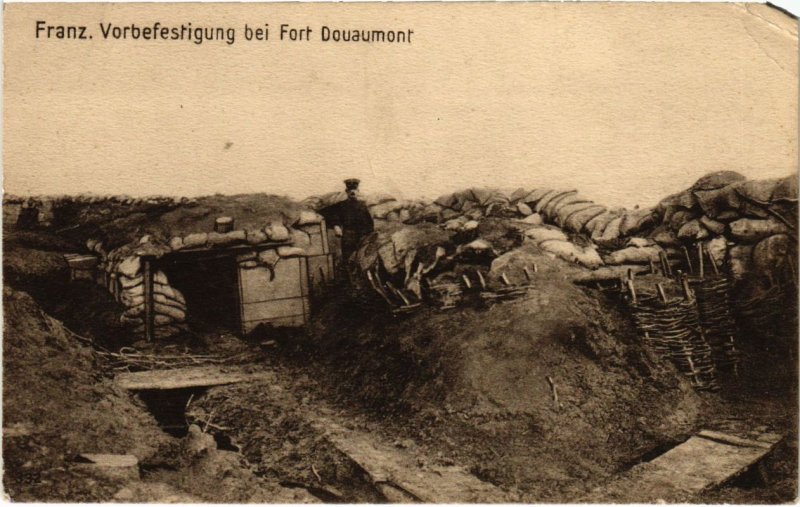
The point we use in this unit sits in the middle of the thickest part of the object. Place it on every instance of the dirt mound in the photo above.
(117, 221)
(559, 371)
(52, 386)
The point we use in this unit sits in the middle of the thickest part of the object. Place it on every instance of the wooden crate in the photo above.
(277, 297)
(81, 266)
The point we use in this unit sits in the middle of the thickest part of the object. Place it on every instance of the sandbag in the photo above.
(308, 217)
(770, 255)
(609, 273)
(692, 230)
(545, 233)
(176, 243)
(728, 216)
(785, 189)
(568, 251)
(517, 195)
(717, 248)
(680, 200)
(740, 261)
(635, 221)
(161, 310)
(257, 237)
(470, 225)
(577, 220)
(195, 240)
(712, 225)
(217, 239)
(566, 207)
(486, 196)
(717, 179)
(663, 236)
(598, 223)
(533, 198)
(749, 230)
(758, 190)
(533, 219)
(549, 210)
(290, 251)
(633, 255)
(715, 201)
(544, 201)
(680, 218)
(383, 209)
(276, 231)
(610, 234)
(524, 209)
(639, 242)
(130, 267)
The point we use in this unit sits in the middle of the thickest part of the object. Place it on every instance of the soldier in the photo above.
(351, 220)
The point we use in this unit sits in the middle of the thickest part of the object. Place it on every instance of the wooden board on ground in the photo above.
(181, 378)
(705, 461)
(390, 468)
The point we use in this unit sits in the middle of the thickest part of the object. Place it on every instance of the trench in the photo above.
(168, 407)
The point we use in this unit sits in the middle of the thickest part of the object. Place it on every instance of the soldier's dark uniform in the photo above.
(353, 216)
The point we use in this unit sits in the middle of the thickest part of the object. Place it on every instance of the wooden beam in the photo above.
(182, 378)
(149, 304)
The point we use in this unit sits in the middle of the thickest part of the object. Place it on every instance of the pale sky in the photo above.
(625, 102)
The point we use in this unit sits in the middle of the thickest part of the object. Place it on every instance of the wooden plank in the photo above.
(149, 304)
(181, 378)
(287, 321)
(705, 461)
(765, 441)
(386, 465)
(111, 460)
(264, 310)
(258, 284)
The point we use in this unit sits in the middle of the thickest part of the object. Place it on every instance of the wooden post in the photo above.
(149, 309)
(632, 290)
(688, 261)
(687, 292)
(661, 293)
(481, 279)
(700, 259)
(713, 263)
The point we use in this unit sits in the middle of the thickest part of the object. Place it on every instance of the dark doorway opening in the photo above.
(168, 406)
(211, 289)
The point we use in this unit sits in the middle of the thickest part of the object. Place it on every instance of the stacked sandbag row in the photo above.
(565, 209)
(748, 224)
(169, 303)
(554, 242)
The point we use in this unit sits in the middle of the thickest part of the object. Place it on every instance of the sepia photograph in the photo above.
(422, 252)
